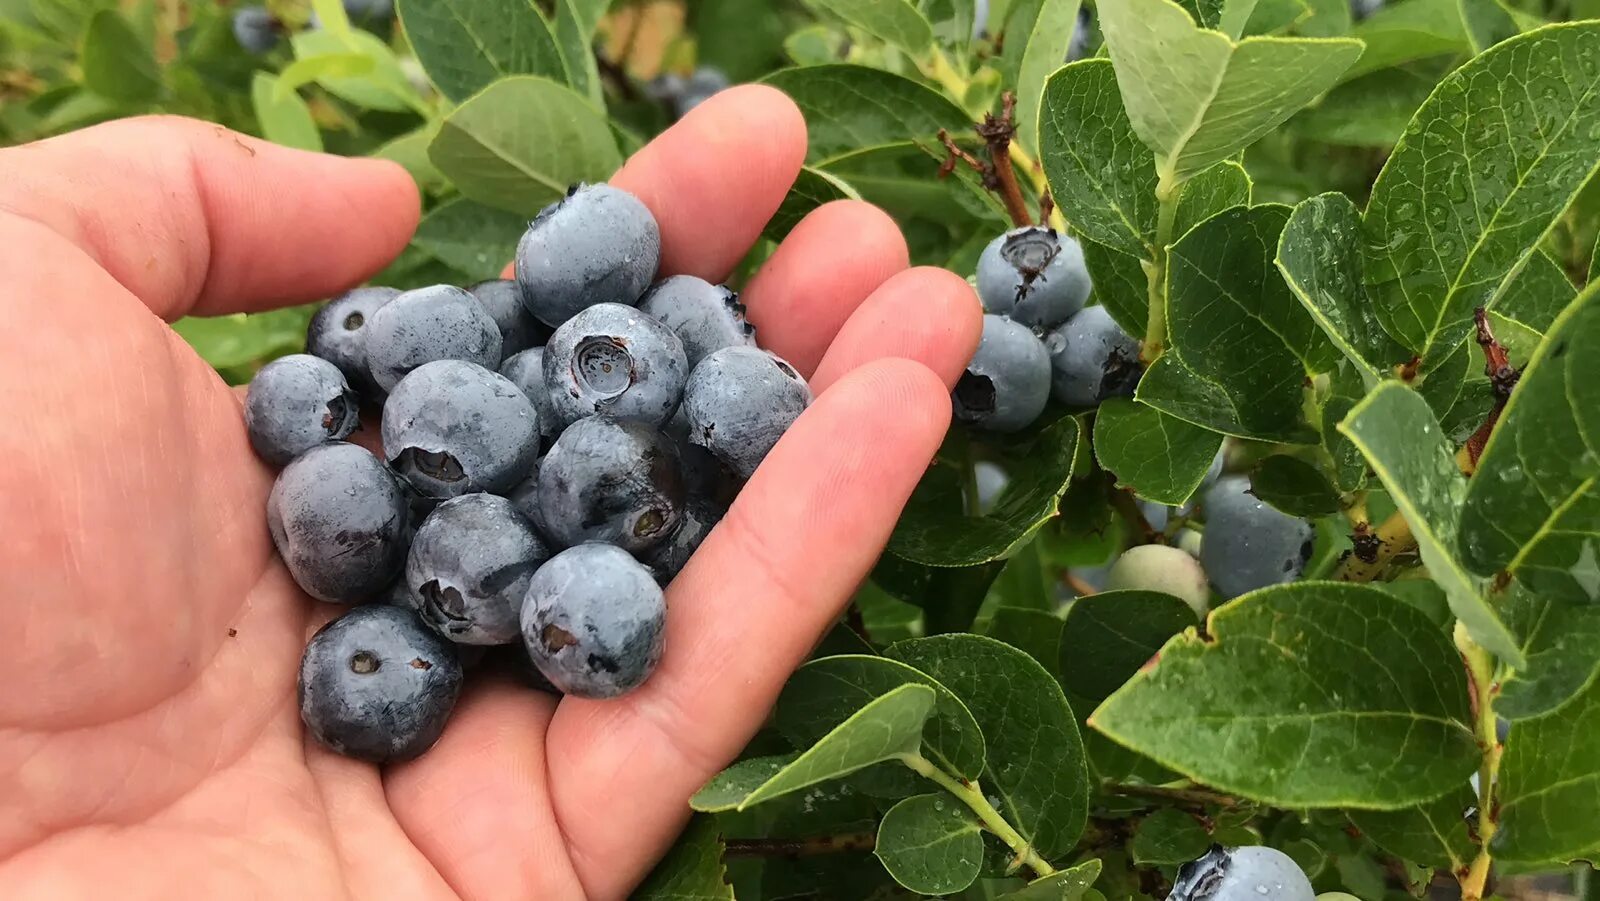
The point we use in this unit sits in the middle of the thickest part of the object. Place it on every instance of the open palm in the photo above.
(149, 738)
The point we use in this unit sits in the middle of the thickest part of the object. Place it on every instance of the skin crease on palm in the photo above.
(149, 737)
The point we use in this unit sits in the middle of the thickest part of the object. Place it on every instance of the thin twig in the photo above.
(997, 134)
(800, 847)
(1194, 796)
(1502, 378)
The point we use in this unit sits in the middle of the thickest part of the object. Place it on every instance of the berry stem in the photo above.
(1502, 377)
(800, 847)
(1155, 270)
(969, 794)
(1480, 667)
(1192, 795)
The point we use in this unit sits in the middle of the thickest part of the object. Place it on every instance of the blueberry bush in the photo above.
(1311, 563)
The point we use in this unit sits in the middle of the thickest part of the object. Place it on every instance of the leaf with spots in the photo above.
(1110, 635)
(1162, 458)
(931, 844)
(1561, 642)
(1221, 187)
(1433, 834)
(1168, 837)
(1307, 695)
(1063, 885)
(1549, 788)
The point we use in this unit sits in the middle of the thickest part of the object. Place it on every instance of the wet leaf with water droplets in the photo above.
(931, 844)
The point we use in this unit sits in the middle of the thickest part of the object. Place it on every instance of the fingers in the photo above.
(194, 218)
(926, 314)
(742, 615)
(716, 177)
(837, 256)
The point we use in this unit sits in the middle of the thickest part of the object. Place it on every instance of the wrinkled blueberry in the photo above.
(1249, 545)
(296, 403)
(428, 324)
(338, 334)
(1007, 384)
(594, 621)
(502, 300)
(739, 401)
(609, 480)
(615, 360)
(526, 371)
(1034, 276)
(704, 316)
(339, 520)
(599, 244)
(1092, 359)
(469, 568)
(668, 558)
(452, 428)
(377, 685)
(255, 29)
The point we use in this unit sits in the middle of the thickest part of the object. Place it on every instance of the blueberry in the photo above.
(992, 481)
(594, 621)
(469, 568)
(980, 19)
(428, 324)
(1092, 358)
(1159, 514)
(669, 557)
(1033, 275)
(296, 403)
(598, 245)
(524, 496)
(704, 316)
(502, 300)
(1078, 46)
(369, 10)
(705, 83)
(613, 359)
(526, 371)
(1254, 873)
(1248, 544)
(255, 29)
(338, 334)
(1361, 9)
(512, 660)
(739, 402)
(377, 685)
(339, 519)
(452, 428)
(609, 480)
(1168, 570)
(1007, 384)
(703, 474)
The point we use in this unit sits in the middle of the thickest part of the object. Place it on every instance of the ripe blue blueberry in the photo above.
(1361, 9)
(704, 475)
(705, 317)
(1007, 384)
(739, 401)
(469, 567)
(668, 558)
(296, 403)
(451, 428)
(377, 685)
(502, 300)
(1034, 276)
(428, 324)
(526, 371)
(613, 359)
(340, 522)
(1078, 46)
(1255, 873)
(1159, 514)
(609, 480)
(594, 621)
(338, 334)
(598, 245)
(1168, 570)
(704, 83)
(1249, 545)
(1092, 359)
(255, 29)
(369, 10)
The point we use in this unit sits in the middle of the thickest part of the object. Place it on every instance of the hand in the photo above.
(149, 737)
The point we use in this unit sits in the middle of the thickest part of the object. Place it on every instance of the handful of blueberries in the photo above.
(554, 448)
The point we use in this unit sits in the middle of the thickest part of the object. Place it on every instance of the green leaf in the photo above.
(1406, 32)
(1236, 325)
(1047, 45)
(1161, 458)
(1538, 294)
(949, 596)
(894, 21)
(117, 63)
(1373, 110)
(811, 189)
(1102, 178)
(852, 109)
(1221, 187)
(1306, 695)
(520, 143)
(1401, 438)
(825, 692)
(1110, 635)
(1482, 173)
(1294, 486)
(466, 45)
(1349, 467)
(310, 69)
(1120, 285)
(1321, 258)
(888, 727)
(1034, 632)
(1063, 885)
(1487, 23)
(1178, 391)
(1549, 788)
(692, 870)
(476, 239)
(382, 87)
(1434, 834)
(935, 531)
(574, 32)
(1196, 97)
(931, 844)
(1036, 766)
(285, 119)
(246, 339)
(1562, 645)
(1168, 837)
(1533, 509)
(411, 151)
